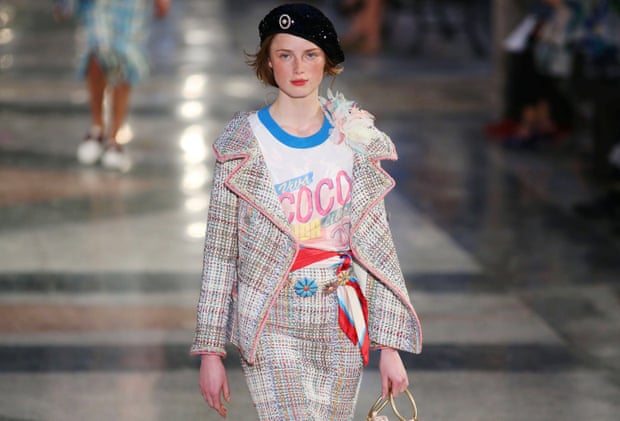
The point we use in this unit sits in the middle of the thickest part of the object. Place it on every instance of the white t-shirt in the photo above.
(312, 178)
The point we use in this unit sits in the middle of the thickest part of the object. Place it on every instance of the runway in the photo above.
(518, 297)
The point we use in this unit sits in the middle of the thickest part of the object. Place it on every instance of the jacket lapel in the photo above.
(251, 179)
(370, 182)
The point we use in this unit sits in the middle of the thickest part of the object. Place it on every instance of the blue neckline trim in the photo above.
(288, 139)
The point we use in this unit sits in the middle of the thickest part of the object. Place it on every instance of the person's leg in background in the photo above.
(514, 97)
(120, 104)
(92, 148)
(115, 157)
(96, 83)
(99, 142)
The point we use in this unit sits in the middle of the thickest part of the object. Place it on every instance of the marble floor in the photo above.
(99, 271)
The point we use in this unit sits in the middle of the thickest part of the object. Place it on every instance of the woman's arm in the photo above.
(219, 275)
(393, 374)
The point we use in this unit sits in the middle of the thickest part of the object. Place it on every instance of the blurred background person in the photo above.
(535, 109)
(114, 58)
(373, 23)
(365, 31)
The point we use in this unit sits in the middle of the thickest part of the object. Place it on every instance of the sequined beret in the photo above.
(305, 21)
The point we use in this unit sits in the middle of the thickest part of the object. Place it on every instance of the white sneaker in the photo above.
(89, 152)
(91, 149)
(114, 159)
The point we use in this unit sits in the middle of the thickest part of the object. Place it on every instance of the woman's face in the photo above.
(298, 65)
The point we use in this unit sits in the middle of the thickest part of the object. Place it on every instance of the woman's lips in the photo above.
(299, 82)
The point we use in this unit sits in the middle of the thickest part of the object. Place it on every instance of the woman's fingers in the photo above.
(214, 401)
(221, 409)
(226, 390)
(399, 386)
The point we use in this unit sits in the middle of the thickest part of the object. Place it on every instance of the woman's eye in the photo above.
(284, 56)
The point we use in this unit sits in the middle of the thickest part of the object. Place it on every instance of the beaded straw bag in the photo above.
(381, 403)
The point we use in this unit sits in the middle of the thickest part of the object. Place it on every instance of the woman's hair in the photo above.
(260, 63)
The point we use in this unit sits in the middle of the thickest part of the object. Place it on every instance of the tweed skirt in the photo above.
(305, 367)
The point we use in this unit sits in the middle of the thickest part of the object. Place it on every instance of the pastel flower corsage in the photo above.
(356, 126)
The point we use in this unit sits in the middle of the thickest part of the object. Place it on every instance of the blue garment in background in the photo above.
(115, 32)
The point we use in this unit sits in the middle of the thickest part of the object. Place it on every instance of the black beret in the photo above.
(305, 21)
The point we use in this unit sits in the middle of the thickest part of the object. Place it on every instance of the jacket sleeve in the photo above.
(219, 275)
(392, 319)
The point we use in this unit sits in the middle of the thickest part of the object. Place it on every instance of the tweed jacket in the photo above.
(250, 247)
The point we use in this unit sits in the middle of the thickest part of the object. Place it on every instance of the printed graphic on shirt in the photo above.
(318, 209)
(312, 182)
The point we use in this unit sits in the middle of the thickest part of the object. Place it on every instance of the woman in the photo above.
(300, 271)
(113, 58)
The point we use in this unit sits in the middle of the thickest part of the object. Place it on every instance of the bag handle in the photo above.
(381, 403)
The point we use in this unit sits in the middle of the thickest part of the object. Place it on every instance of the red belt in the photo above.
(308, 256)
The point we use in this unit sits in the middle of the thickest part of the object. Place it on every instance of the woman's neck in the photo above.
(298, 116)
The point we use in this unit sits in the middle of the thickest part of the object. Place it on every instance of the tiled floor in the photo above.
(99, 272)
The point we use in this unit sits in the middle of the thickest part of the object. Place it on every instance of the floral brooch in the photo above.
(356, 126)
(305, 287)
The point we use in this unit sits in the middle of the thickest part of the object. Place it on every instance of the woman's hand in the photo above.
(213, 382)
(393, 374)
